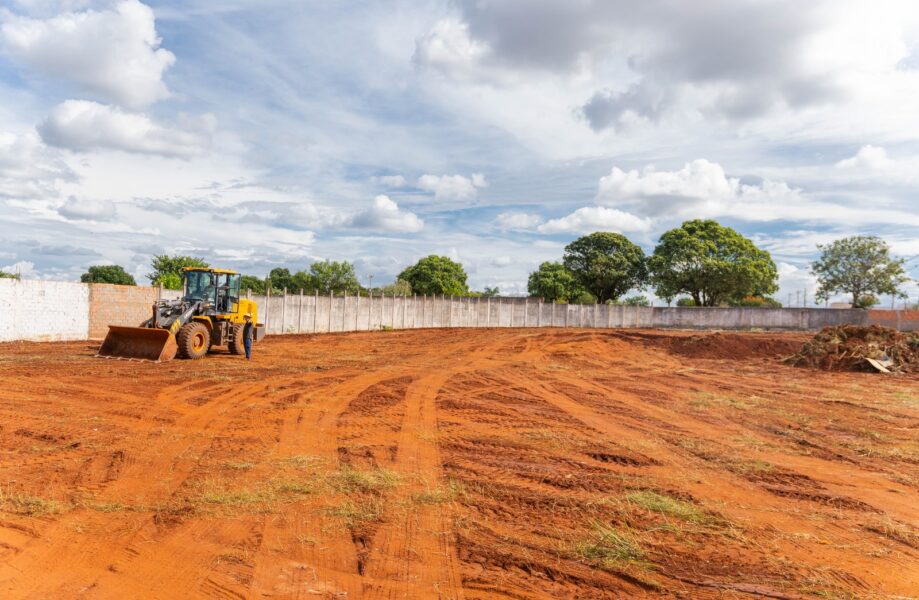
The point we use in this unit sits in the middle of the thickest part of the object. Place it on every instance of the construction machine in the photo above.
(209, 313)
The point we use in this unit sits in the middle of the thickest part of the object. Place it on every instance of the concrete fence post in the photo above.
(159, 291)
(450, 308)
(404, 303)
(526, 310)
(424, 309)
(488, 312)
(344, 311)
(331, 298)
(267, 309)
(596, 308)
(414, 311)
(300, 313)
(370, 310)
(393, 324)
(284, 312)
(554, 304)
(248, 292)
(316, 312)
(357, 312)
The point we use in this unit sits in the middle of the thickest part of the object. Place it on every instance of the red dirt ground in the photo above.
(458, 464)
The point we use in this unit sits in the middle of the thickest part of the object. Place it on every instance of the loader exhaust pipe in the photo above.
(138, 343)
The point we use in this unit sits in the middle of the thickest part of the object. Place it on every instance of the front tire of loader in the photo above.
(193, 340)
(237, 346)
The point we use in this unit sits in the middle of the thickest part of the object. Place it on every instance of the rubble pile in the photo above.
(849, 348)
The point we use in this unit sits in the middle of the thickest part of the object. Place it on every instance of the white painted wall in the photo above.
(43, 310)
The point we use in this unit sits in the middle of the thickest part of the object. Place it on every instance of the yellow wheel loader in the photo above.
(210, 313)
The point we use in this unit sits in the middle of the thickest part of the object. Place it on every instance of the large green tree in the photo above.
(553, 282)
(5, 275)
(436, 275)
(251, 282)
(860, 265)
(328, 276)
(606, 264)
(167, 270)
(108, 274)
(711, 263)
(281, 279)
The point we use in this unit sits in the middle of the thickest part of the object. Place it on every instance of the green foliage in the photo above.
(170, 281)
(328, 276)
(164, 265)
(281, 279)
(685, 302)
(5, 275)
(251, 282)
(108, 274)
(436, 275)
(606, 264)
(490, 292)
(861, 266)
(756, 302)
(637, 300)
(584, 297)
(553, 282)
(711, 263)
(399, 287)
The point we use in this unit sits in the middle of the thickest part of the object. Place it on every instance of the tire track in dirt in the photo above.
(413, 554)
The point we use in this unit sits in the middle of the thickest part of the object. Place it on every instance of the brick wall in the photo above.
(118, 305)
(43, 310)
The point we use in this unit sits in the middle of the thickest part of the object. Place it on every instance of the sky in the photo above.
(258, 134)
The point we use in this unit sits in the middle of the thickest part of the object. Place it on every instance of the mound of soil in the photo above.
(732, 346)
(846, 348)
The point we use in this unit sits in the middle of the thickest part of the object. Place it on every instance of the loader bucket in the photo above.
(138, 343)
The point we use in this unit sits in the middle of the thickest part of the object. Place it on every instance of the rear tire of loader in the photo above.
(193, 340)
(237, 346)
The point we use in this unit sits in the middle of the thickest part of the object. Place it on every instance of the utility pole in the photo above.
(798, 297)
(370, 282)
(805, 297)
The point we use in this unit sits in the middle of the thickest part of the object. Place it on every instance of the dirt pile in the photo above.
(848, 348)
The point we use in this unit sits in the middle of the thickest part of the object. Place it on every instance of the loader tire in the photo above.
(237, 346)
(193, 340)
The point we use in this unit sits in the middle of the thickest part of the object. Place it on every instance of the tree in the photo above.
(280, 279)
(861, 266)
(165, 266)
(491, 292)
(711, 263)
(606, 264)
(5, 275)
(251, 282)
(170, 281)
(436, 275)
(553, 282)
(636, 300)
(108, 274)
(329, 276)
(399, 287)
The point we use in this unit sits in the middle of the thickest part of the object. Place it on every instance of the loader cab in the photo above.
(219, 288)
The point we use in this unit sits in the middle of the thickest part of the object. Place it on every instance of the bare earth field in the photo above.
(458, 464)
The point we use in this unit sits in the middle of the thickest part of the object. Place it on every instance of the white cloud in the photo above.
(452, 187)
(518, 220)
(24, 268)
(501, 261)
(81, 125)
(385, 215)
(29, 169)
(868, 157)
(114, 53)
(87, 209)
(393, 181)
(593, 218)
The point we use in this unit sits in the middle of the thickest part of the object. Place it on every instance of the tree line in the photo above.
(700, 263)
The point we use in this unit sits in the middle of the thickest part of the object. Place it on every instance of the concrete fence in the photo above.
(314, 313)
(52, 310)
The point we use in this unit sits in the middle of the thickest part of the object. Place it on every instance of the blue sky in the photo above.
(262, 134)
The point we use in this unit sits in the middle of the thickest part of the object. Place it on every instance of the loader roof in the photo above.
(210, 270)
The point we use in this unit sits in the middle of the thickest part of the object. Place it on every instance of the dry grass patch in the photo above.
(25, 504)
(668, 506)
